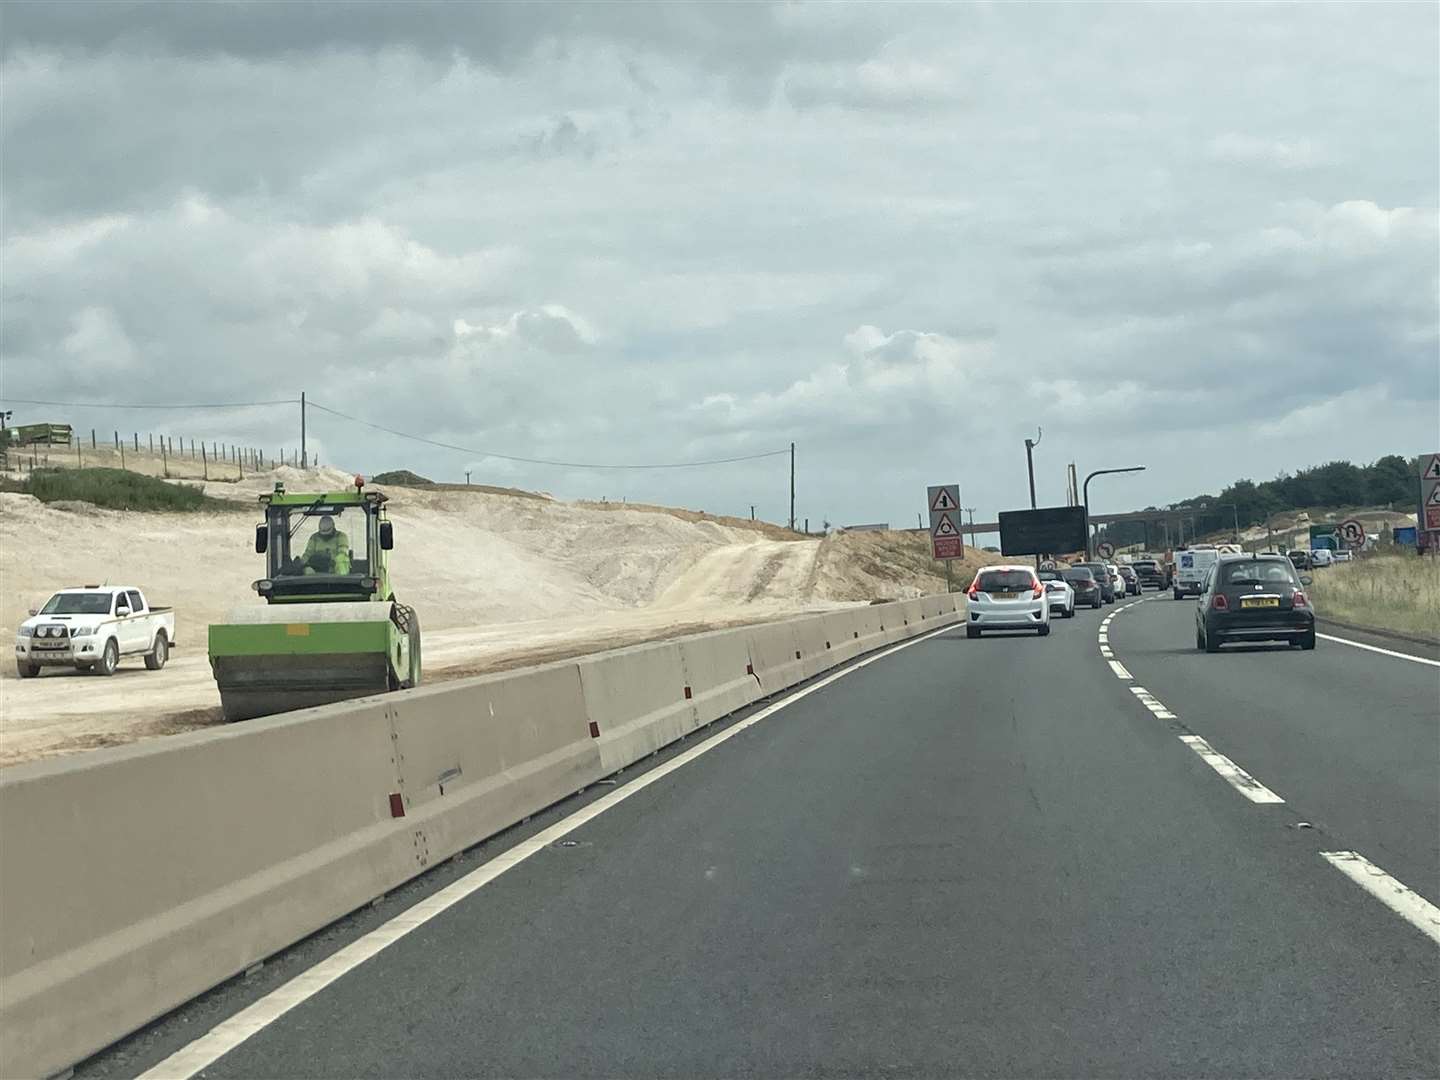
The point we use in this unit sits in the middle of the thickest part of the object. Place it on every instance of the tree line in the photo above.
(1392, 481)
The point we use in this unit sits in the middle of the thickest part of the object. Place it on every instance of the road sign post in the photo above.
(1428, 518)
(946, 542)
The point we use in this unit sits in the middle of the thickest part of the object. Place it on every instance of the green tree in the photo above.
(1390, 479)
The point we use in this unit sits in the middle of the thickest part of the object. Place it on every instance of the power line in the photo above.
(542, 461)
(148, 405)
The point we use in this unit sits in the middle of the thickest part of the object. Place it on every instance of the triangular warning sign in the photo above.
(1432, 468)
(945, 527)
(943, 501)
(1434, 499)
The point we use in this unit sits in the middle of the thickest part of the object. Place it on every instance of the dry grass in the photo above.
(1387, 592)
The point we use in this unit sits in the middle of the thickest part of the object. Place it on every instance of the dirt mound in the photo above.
(403, 477)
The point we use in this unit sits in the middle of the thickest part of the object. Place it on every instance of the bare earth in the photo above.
(499, 580)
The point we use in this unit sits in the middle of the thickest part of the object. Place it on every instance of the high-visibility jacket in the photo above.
(327, 555)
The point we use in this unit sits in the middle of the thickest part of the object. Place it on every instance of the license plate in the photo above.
(1006, 595)
(1259, 601)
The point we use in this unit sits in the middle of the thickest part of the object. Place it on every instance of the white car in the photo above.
(1116, 581)
(1341, 555)
(1059, 592)
(91, 629)
(1322, 557)
(1007, 598)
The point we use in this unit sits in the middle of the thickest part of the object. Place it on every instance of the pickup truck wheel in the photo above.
(109, 659)
(26, 671)
(156, 657)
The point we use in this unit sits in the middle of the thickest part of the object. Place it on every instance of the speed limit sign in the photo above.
(1105, 549)
(1352, 532)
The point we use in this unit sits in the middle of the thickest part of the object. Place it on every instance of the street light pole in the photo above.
(1030, 445)
(1086, 492)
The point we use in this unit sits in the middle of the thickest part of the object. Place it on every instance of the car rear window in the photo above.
(1079, 575)
(993, 581)
(1269, 572)
(1050, 575)
(1145, 564)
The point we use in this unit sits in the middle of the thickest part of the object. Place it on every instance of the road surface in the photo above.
(1004, 857)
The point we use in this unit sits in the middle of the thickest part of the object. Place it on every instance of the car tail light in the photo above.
(974, 590)
(1220, 603)
(1038, 590)
(1300, 600)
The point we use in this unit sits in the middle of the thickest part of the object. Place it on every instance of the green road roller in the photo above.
(330, 628)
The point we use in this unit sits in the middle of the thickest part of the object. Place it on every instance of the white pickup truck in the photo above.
(91, 628)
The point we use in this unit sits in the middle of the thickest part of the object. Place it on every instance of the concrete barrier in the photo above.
(719, 673)
(636, 700)
(476, 756)
(134, 878)
(775, 655)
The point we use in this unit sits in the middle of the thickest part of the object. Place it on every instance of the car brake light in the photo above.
(974, 590)
(1038, 590)
(1220, 603)
(1300, 600)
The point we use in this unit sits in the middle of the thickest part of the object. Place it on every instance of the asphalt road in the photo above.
(980, 858)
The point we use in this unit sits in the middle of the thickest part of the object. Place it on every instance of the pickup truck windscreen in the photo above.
(76, 603)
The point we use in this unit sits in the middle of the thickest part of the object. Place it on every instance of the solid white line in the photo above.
(1383, 652)
(228, 1034)
(1119, 669)
(1398, 897)
(1239, 779)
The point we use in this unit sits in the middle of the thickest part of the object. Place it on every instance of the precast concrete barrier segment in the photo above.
(133, 879)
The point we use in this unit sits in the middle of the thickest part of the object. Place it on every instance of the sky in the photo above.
(1202, 239)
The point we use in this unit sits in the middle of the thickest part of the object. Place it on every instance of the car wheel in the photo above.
(1096, 605)
(1178, 594)
(972, 631)
(109, 659)
(1070, 612)
(156, 657)
(1199, 637)
(1044, 630)
(1307, 641)
(26, 671)
(1213, 643)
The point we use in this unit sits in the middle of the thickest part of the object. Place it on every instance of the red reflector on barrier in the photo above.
(687, 693)
(594, 730)
(397, 804)
(749, 669)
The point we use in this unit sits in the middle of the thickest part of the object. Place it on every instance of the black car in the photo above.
(1254, 598)
(1130, 578)
(1087, 589)
(1150, 573)
(1102, 575)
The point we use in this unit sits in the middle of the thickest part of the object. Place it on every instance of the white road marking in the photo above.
(1239, 779)
(227, 1035)
(1106, 652)
(1398, 897)
(1119, 669)
(1383, 652)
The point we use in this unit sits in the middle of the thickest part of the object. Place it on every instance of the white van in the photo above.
(1190, 570)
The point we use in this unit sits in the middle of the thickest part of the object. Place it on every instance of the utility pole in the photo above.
(1085, 492)
(467, 478)
(792, 491)
(304, 457)
(971, 511)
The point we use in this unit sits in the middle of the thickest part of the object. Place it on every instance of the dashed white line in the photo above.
(1398, 897)
(1382, 652)
(1119, 670)
(1238, 778)
(1106, 652)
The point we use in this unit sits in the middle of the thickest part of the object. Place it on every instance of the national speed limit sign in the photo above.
(1352, 532)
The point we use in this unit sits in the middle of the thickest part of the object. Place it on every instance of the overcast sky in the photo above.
(1201, 239)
